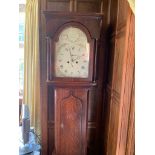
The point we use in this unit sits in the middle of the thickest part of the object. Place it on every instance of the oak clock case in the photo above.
(72, 46)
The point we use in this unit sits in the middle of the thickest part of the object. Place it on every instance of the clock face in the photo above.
(72, 54)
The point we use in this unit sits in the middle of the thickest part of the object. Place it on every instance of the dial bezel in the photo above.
(52, 51)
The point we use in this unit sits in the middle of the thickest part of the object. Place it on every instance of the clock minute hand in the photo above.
(70, 53)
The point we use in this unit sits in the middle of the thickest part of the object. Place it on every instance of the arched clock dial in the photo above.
(72, 54)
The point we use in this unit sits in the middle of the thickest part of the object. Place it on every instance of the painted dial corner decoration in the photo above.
(72, 54)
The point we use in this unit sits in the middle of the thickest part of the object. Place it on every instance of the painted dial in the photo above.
(72, 54)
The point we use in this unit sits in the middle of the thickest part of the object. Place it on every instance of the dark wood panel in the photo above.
(92, 110)
(70, 121)
(43, 73)
(105, 8)
(106, 118)
(82, 6)
(50, 104)
(110, 63)
(113, 15)
(50, 140)
(91, 126)
(88, 6)
(58, 6)
(91, 145)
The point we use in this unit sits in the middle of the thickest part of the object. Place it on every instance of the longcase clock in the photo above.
(72, 58)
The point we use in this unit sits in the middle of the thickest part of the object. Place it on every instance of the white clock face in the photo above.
(72, 54)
